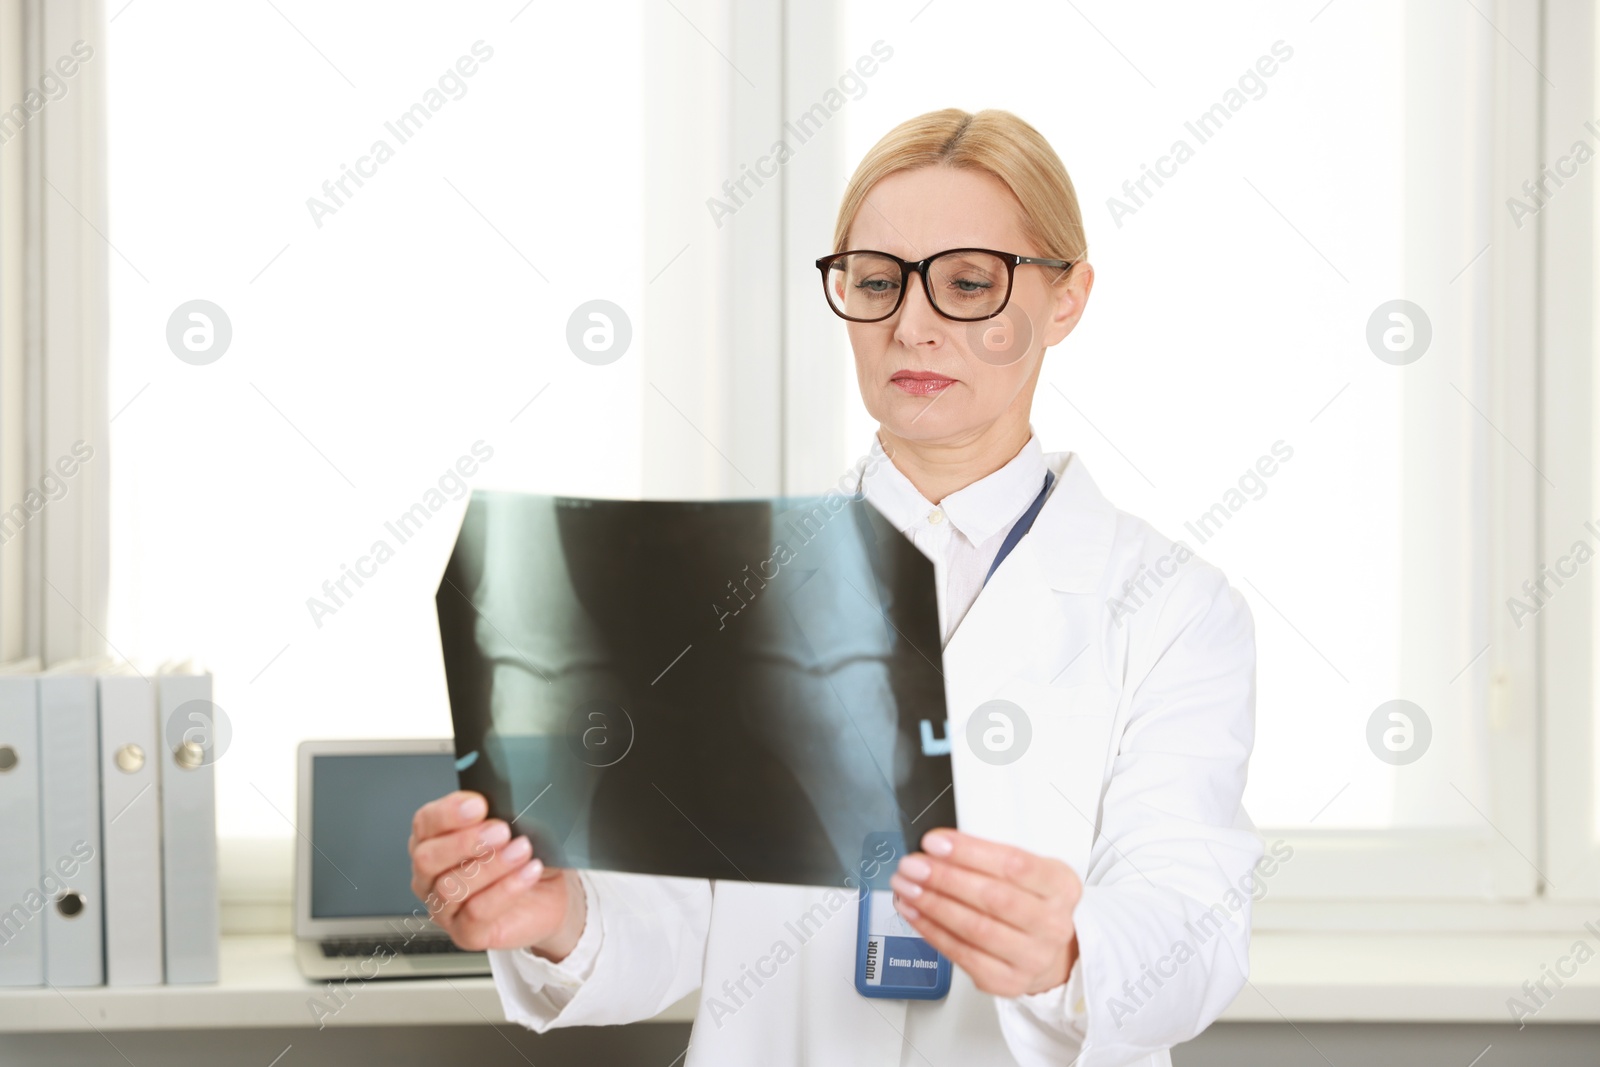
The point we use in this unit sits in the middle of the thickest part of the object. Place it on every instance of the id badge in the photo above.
(893, 961)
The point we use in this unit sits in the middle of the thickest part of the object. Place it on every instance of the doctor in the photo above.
(1096, 902)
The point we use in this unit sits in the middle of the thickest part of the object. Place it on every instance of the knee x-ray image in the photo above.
(727, 689)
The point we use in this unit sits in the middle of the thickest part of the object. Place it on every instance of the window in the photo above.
(1372, 556)
(373, 315)
(380, 202)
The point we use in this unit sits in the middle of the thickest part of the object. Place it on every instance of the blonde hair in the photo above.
(991, 140)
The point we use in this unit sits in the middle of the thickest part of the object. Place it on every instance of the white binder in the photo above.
(22, 902)
(130, 779)
(189, 826)
(69, 743)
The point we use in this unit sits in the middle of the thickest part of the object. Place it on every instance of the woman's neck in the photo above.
(938, 469)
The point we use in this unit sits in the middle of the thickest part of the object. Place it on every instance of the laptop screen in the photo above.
(361, 809)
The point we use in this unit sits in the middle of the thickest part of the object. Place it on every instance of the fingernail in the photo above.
(518, 849)
(908, 911)
(474, 807)
(496, 833)
(905, 888)
(938, 844)
(915, 867)
(532, 871)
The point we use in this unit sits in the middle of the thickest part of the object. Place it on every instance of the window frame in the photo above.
(1502, 859)
(1369, 878)
(54, 575)
(1566, 627)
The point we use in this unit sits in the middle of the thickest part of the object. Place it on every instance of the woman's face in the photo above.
(929, 379)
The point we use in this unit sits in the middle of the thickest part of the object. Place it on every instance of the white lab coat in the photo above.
(1135, 664)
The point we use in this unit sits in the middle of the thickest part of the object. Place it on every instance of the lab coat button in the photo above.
(935, 516)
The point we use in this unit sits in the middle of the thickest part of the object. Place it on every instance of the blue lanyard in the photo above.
(1020, 529)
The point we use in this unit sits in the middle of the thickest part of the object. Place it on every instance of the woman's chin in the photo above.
(923, 420)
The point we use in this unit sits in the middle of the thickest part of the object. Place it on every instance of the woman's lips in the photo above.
(920, 383)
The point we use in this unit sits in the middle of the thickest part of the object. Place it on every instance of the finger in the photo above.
(999, 939)
(436, 855)
(991, 974)
(484, 921)
(1002, 901)
(457, 886)
(451, 812)
(1044, 877)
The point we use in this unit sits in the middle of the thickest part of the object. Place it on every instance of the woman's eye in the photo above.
(875, 285)
(967, 285)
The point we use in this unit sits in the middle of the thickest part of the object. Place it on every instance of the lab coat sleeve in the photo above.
(1164, 920)
(642, 950)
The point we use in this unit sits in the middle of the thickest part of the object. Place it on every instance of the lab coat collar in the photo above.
(1071, 538)
(1073, 534)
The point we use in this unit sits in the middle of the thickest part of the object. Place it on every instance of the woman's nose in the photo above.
(917, 321)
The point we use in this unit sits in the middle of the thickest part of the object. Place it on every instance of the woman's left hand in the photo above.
(1002, 914)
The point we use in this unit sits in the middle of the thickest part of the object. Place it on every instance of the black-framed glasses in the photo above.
(964, 284)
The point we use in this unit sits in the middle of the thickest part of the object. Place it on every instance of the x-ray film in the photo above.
(727, 689)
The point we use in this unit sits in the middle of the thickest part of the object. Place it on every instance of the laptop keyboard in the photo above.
(416, 946)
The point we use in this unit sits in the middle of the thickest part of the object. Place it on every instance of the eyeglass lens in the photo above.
(963, 285)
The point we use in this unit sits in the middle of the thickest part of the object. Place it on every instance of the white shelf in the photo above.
(261, 987)
(1398, 977)
(1304, 977)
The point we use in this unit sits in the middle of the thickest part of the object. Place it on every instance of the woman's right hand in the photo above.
(486, 890)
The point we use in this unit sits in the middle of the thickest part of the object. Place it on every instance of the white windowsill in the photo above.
(262, 987)
(1400, 977)
(1303, 977)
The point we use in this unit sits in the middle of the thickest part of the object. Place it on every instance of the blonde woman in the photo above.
(1095, 904)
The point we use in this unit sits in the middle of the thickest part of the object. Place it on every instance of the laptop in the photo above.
(354, 912)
